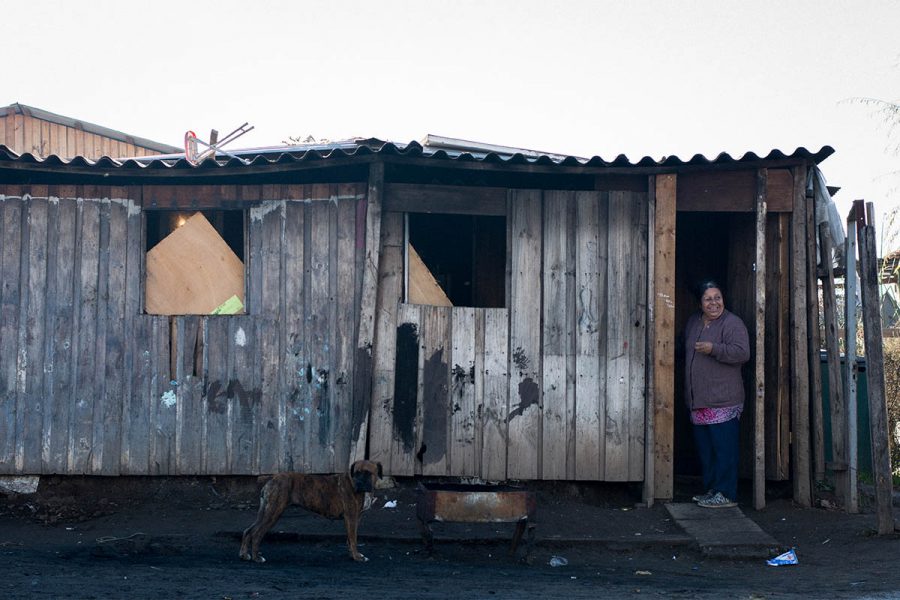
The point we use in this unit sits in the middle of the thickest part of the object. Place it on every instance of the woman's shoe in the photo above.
(706, 496)
(717, 501)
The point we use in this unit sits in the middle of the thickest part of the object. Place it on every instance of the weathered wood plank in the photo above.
(525, 367)
(297, 359)
(188, 407)
(664, 336)
(588, 449)
(346, 317)
(462, 392)
(555, 334)
(100, 400)
(637, 333)
(163, 399)
(10, 290)
(368, 241)
(86, 290)
(270, 425)
(389, 293)
(446, 199)
(759, 421)
(134, 405)
(29, 420)
(406, 391)
(115, 316)
(214, 399)
(243, 393)
(58, 381)
(495, 394)
(800, 355)
(717, 191)
(778, 350)
(436, 347)
(137, 442)
(322, 223)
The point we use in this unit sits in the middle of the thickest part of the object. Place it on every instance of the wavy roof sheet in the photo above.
(351, 149)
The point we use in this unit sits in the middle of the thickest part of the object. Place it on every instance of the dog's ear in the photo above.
(380, 470)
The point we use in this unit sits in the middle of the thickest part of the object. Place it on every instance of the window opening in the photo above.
(456, 260)
(194, 262)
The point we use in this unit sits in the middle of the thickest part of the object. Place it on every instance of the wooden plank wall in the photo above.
(551, 387)
(25, 133)
(89, 385)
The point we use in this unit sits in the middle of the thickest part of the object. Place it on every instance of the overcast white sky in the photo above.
(602, 78)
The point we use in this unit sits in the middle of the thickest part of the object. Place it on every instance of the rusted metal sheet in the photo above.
(474, 504)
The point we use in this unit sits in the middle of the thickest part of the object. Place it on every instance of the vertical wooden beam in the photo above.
(815, 358)
(800, 355)
(851, 288)
(881, 456)
(663, 302)
(650, 364)
(759, 412)
(362, 365)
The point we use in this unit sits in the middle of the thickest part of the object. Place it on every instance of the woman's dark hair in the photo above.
(706, 284)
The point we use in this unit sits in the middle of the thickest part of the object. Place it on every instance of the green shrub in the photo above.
(892, 396)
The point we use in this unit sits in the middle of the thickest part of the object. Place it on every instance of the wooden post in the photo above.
(363, 363)
(759, 412)
(649, 491)
(839, 462)
(799, 357)
(814, 345)
(663, 302)
(881, 457)
(851, 286)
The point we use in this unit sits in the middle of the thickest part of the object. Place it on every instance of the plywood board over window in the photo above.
(192, 271)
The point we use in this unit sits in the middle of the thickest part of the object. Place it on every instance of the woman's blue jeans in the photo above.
(718, 446)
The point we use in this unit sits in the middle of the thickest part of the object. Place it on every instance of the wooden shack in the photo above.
(26, 129)
(554, 356)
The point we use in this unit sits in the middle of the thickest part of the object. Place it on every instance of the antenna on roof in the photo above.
(193, 156)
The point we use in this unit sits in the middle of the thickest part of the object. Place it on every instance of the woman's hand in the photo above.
(703, 347)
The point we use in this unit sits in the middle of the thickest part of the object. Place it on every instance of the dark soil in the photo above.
(179, 538)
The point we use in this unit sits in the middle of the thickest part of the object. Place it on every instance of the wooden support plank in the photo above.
(271, 425)
(814, 344)
(461, 445)
(115, 316)
(134, 406)
(637, 302)
(137, 442)
(60, 310)
(346, 315)
(878, 417)
(406, 391)
(664, 335)
(495, 394)
(588, 326)
(423, 287)
(555, 335)
(839, 451)
(369, 238)
(188, 393)
(297, 358)
(389, 294)
(618, 327)
(10, 302)
(243, 393)
(850, 368)
(525, 366)
(759, 422)
(215, 440)
(86, 291)
(800, 435)
(446, 199)
(649, 486)
(778, 350)
(436, 348)
(162, 400)
(98, 434)
(30, 359)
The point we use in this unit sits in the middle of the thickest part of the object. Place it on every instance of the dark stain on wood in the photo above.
(216, 398)
(529, 395)
(406, 385)
(435, 406)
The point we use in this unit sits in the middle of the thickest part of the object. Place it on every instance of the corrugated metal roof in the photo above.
(44, 115)
(254, 158)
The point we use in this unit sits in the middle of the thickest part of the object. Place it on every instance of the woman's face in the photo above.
(712, 304)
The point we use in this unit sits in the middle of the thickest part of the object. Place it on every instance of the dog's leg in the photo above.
(270, 509)
(352, 525)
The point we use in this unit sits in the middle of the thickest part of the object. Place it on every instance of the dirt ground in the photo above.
(179, 538)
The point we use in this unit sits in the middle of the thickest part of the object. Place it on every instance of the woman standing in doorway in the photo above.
(716, 345)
